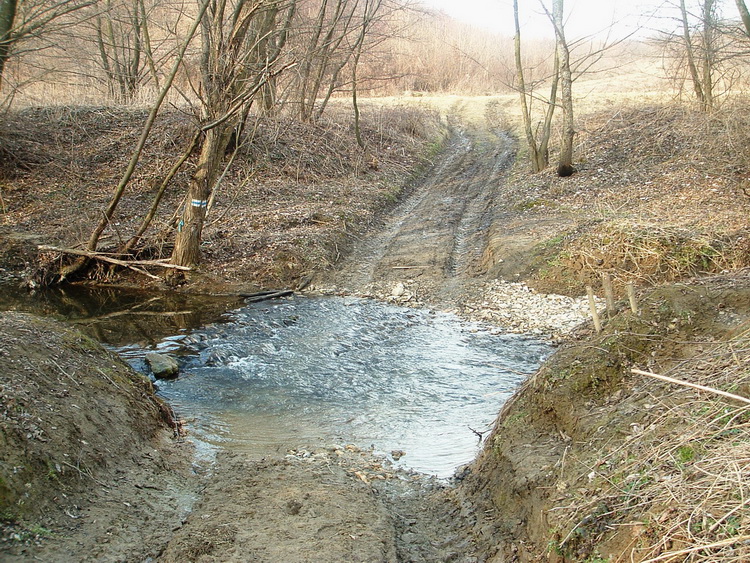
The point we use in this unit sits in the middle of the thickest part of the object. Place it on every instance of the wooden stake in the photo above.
(609, 294)
(594, 312)
(632, 299)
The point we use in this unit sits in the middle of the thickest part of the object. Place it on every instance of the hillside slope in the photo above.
(591, 462)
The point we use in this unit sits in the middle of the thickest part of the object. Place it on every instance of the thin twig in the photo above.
(64, 372)
(694, 549)
(692, 385)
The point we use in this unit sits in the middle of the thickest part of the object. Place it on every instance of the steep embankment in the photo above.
(87, 461)
(591, 462)
(295, 197)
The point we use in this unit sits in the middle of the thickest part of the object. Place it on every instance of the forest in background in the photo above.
(102, 52)
(224, 63)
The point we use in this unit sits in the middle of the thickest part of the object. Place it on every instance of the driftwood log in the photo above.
(135, 265)
(265, 295)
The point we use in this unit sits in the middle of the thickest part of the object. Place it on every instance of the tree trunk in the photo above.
(355, 103)
(565, 166)
(690, 54)
(538, 154)
(744, 14)
(236, 63)
(709, 56)
(537, 160)
(7, 19)
(546, 132)
(190, 228)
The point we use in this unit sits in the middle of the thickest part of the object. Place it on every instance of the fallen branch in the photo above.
(264, 295)
(104, 257)
(130, 312)
(692, 385)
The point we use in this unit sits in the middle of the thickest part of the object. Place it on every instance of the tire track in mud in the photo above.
(438, 234)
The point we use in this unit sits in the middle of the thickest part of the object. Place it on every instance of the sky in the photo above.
(583, 17)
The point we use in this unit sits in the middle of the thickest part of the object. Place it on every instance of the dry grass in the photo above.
(294, 195)
(676, 489)
(661, 194)
(650, 253)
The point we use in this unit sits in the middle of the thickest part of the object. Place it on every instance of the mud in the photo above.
(457, 229)
(523, 500)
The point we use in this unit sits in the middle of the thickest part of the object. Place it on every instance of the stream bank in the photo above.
(95, 468)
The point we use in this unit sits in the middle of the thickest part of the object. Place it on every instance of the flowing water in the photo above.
(324, 371)
(310, 371)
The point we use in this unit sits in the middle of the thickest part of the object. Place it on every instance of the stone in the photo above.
(162, 366)
(398, 290)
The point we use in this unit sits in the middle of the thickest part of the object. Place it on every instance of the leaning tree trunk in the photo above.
(538, 151)
(190, 228)
(744, 14)
(7, 18)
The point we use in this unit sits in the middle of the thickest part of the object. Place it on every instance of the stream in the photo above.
(312, 371)
(318, 371)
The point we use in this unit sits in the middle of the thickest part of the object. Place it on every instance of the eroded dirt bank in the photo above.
(592, 462)
(94, 468)
(90, 464)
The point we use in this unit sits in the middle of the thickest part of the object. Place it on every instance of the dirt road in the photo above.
(342, 502)
(435, 241)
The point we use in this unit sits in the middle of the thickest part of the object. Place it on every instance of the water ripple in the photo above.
(322, 370)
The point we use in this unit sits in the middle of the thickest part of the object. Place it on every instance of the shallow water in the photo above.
(118, 316)
(322, 371)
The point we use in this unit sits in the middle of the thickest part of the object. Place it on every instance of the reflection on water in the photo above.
(317, 371)
(118, 316)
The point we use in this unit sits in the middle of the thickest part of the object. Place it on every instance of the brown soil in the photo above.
(591, 462)
(294, 199)
(556, 479)
(90, 466)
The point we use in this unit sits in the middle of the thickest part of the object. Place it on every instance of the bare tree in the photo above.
(537, 139)
(369, 14)
(702, 81)
(120, 36)
(565, 165)
(24, 19)
(84, 257)
(324, 52)
(237, 61)
(709, 53)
